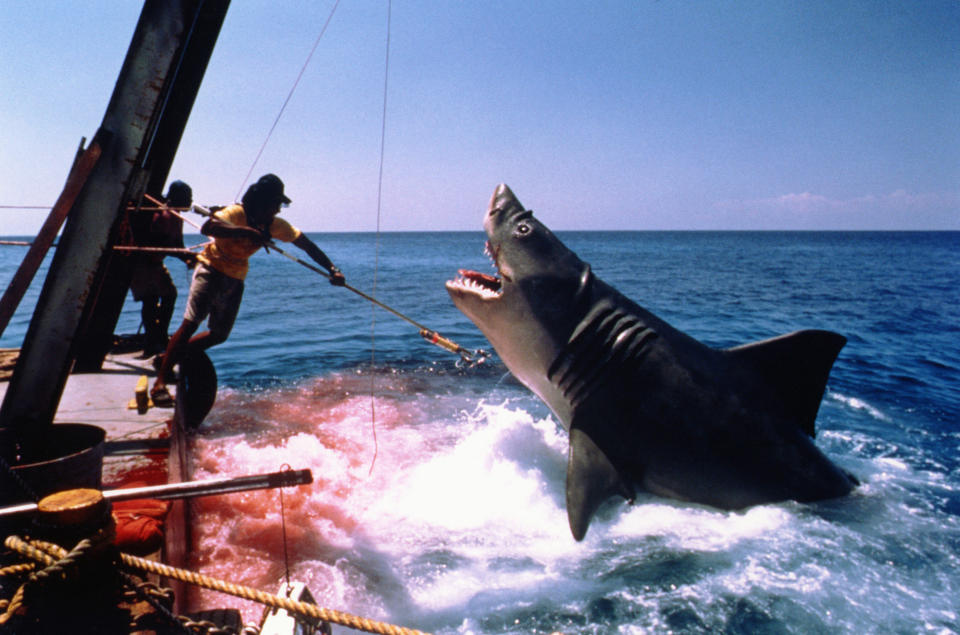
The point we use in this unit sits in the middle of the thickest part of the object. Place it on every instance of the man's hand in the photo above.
(336, 277)
(260, 235)
(190, 260)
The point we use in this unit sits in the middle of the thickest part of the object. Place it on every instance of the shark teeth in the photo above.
(488, 287)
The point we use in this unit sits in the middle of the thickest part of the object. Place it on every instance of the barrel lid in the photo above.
(72, 507)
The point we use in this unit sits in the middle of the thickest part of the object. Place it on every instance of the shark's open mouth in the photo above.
(484, 285)
(481, 284)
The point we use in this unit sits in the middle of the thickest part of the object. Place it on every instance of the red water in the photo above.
(325, 426)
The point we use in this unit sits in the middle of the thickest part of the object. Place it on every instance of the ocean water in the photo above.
(438, 495)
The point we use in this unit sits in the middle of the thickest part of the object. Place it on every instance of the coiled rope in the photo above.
(56, 570)
(46, 552)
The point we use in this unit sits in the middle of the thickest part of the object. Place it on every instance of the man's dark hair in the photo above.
(262, 196)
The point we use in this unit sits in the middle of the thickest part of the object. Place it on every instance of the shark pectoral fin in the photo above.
(591, 479)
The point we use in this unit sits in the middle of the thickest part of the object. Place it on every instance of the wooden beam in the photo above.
(48, 233)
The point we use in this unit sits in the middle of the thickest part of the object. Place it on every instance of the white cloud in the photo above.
(899, 209)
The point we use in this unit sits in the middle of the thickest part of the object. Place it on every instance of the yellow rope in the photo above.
(17, 569)
(247, 593)
(59, 568)
(14, 605)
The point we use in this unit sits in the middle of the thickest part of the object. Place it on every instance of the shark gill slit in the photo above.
(607, 340)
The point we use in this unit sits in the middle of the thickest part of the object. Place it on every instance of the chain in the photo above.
(16, 478)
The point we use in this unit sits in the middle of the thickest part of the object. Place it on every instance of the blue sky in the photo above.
(600, 115)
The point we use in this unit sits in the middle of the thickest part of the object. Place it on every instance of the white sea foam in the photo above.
(859, 404)
(698, 528)
(461, 527)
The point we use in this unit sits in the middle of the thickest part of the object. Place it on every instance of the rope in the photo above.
(154, 208)
(428, 334)
(183, 251)
(287, 100)
(176, 211)
(376, 249)
(17, 569)
(14, 476)
(283, 527)
(57, 570)
(274, 601)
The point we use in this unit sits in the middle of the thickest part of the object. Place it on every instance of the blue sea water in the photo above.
(438, 495)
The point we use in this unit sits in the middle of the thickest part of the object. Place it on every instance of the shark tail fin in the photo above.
(591, 479)
(796, 366)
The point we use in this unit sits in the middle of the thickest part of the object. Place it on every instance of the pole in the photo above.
(191, 489)
(426, 333)
(47, 234)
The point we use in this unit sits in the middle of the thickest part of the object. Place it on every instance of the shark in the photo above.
(645, 405)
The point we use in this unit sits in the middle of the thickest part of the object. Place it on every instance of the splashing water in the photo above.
(461, 527)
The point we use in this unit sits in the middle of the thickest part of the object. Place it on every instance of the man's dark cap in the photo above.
(179, 194)
(270, 187)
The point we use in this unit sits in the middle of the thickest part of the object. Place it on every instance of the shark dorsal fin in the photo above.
(591, 479)
(796, 367)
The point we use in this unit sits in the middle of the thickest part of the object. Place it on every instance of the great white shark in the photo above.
(644, 403)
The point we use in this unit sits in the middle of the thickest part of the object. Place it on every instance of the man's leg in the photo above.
(148, 316)
(175, 350)
(164, 315)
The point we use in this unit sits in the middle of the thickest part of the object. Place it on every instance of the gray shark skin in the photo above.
(644, 403)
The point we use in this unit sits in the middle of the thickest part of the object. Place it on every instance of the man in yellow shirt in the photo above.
(238, 231)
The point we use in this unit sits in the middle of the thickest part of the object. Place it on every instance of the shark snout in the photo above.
(503, 204)
(503, 199)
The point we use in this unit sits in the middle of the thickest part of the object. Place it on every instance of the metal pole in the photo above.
(49, 348)
(191, 489)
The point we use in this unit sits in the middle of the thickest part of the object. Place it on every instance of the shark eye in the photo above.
(523, 229)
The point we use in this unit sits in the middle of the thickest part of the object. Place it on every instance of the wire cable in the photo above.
(376, 256)
(287, 100)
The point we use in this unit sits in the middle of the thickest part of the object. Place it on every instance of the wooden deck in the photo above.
(140, 449)
(137, 446)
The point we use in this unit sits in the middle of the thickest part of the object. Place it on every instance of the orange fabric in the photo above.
(139, 524)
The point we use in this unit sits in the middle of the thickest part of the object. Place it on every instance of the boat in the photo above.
(78, 437)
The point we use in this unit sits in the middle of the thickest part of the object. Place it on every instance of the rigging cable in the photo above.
(287, 100)
(469, 358)
(283, 525)
(376, 249)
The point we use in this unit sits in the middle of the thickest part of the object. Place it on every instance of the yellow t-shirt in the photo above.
(231, 256)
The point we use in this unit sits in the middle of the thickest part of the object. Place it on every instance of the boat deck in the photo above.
(137, 445)
(140, 449)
